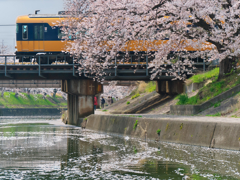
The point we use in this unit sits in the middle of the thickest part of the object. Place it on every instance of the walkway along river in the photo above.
(48, 149)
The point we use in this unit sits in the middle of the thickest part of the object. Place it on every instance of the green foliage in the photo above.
(24, 100)
(182, 99)
(215, 115)
(135, 96)
(181, 126)
(128, 102)
(143, 88)
(211, 90)
(104, 110)
(135, 125)
(134, 150)
(151, 86)
(213, 74)
(217, 104)
(63, 116)
(235, 116)
(85, 119)
(158, 131)
(239, 138)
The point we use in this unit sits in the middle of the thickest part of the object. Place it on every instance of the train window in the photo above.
(17, 28)
(25, 32)
(38, 32)
(60, 34)
(41, 32)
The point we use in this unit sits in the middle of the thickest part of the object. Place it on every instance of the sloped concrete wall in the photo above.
(194, 109)
(208, 134)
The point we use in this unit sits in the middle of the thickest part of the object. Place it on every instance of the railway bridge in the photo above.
(80, 90)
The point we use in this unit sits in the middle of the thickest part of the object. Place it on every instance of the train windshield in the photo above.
(25, 32)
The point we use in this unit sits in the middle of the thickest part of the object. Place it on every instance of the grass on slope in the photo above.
(143, 88)
(10, 101)
(211, 90)
(198, 78)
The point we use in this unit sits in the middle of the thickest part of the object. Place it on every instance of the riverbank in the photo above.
(223, 133)
(31, 111)
(23, 100)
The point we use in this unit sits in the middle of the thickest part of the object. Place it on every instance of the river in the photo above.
(48, 149)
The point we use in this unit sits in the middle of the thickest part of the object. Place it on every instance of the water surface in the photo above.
(48, 149)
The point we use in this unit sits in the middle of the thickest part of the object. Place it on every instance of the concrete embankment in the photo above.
(216, 133)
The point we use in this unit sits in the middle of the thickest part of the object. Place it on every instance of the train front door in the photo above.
(38, 43)
(25, 41)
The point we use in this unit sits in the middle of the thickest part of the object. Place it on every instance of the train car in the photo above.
(38, 34)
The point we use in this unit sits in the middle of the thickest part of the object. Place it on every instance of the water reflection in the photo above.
(47, 150)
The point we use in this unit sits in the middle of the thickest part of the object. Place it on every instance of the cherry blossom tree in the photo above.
(170, 32)
(3, 48)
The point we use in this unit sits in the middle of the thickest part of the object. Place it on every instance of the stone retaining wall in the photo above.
(31, 111)
(194, 109)
(209, 134)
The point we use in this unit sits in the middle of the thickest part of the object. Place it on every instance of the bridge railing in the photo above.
(41, 62)
(35, 59)
(123, 67)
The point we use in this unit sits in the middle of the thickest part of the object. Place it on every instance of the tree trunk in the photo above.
(226, 66)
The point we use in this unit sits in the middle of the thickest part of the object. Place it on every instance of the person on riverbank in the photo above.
(111, 99)
(102, 102)
(95, 102)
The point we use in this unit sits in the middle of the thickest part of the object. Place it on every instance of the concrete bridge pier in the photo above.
(170, 87)
(80, 98)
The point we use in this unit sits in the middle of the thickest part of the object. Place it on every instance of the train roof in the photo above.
(47, 16)
(51, 19)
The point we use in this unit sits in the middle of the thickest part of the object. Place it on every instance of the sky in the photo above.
(11, 9)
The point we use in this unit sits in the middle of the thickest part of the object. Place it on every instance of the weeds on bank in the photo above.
(135, 125)
(104, 110)
(214, 115)
(135, 96)
(9, 100)
(128, 102)
(198, 78)
(143, 87)
(217, 104)
(235, 116)
(211, 90)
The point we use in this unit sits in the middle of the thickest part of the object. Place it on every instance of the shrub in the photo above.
(128, 102)
(158, 131)
(217, 104)
(135, 125)
(135, 96)
(182, 99)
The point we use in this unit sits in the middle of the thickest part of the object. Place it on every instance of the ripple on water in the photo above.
(41, 150)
